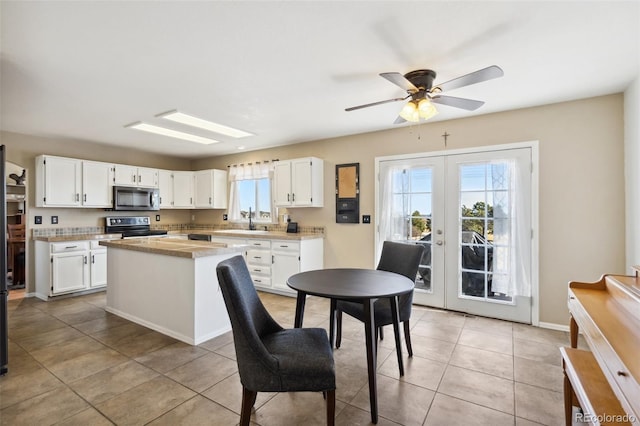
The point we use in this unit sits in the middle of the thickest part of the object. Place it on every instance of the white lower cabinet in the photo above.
(97, 265)
(68, 267)
(272, 262)
(286, 262)
(258, 257)
(69, 271)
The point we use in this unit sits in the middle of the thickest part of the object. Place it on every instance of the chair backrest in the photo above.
(16, 232)
(250, 321)
(403, 259)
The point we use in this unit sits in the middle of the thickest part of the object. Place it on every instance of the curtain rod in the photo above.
(255, 162)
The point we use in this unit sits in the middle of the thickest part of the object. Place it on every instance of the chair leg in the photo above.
(407, 338)
(380, 332)
(338, 328)
(331, 407)
(248, 400)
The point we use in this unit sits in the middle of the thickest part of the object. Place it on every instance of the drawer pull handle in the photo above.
(572, 297)
(622, 373)
(70, 247)
(257, 257)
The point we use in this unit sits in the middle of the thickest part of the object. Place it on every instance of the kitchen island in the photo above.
(169, 285)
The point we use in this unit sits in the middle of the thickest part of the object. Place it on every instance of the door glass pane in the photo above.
(411, 211)
(485, 231)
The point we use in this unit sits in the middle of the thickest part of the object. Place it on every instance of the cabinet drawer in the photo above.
(265, 244)
(259, 270)
(261, 281)
(258, 257)
(69, 246)
(286, 246)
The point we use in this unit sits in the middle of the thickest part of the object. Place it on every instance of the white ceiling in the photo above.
(286, 70)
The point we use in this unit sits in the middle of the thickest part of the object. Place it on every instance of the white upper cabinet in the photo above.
(183, 197)
(136, 176)
(58, 181)
(97, 184)
(165, 186)
(211, 189)
(299, 183)
(69, 182)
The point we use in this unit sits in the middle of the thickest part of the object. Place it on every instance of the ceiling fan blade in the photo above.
(375, 103)
(468, 104)
(479, 76)
(399, 80)
(399, 120)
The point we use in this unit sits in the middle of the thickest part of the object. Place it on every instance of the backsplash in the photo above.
(57, 232)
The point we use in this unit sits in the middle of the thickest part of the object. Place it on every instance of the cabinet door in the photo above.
(165, 186)
(98, 267)
(69, 272)
(126, 175)
(301, 182)
(147, 177)
(183, 190)
(282, 183)
(204, 189)
(97, 184)
(220, 178)
(62, 182)
(284, 265)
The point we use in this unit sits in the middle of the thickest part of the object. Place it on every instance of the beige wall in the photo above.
(581, 211)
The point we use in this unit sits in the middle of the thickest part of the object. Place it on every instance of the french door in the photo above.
(472, 214)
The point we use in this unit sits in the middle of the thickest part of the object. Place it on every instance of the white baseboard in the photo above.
(553, 326)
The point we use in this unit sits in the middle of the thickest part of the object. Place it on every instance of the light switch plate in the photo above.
(366, 218)
(38, 220)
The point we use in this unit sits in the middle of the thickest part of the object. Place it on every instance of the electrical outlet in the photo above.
(157, 218)
(38, 220)
(225, 216)
(54, 220)
(366, 218)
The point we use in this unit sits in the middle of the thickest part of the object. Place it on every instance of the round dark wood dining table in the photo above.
(357, 285)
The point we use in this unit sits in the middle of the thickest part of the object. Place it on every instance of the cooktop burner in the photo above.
(132, 226)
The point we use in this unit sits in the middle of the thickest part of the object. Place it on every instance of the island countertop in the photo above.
(175, 247)
(76, 237)
(245, 233)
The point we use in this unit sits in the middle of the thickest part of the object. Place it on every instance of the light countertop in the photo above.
(175, 247)
(270, 235)
(77, 237)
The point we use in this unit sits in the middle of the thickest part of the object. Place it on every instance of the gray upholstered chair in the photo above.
(270, 358)
(400, 258)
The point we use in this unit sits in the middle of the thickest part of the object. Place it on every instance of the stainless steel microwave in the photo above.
(135, 198)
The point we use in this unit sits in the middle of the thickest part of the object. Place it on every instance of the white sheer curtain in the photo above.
(393, 215)
(510, 276)
(238, 172)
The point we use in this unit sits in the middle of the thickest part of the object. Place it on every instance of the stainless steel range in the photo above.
(132, 226)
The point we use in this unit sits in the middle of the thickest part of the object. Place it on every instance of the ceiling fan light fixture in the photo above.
(426, 109)
(410, 112)
(414, 110)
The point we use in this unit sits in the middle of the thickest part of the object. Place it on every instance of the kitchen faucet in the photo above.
(251, 225)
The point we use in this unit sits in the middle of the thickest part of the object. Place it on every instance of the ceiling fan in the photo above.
(419, 86)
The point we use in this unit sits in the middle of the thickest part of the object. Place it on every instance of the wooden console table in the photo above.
(605, 381)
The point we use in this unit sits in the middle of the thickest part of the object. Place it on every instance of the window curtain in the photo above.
(394, 216)
(238, 172)
(509, 274)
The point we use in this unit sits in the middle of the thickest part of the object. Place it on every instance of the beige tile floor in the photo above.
(72, 363)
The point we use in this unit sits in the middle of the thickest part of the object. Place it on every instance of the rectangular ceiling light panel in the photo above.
(189, 120)
(171, 133)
